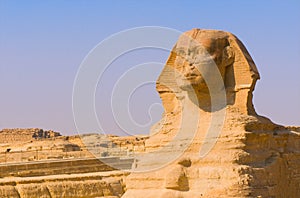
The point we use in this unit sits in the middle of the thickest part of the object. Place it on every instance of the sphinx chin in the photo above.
(195, 84)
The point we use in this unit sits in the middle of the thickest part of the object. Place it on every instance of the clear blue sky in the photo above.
(42, 44)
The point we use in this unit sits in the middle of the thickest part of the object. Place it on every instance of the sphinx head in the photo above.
(209, 57)
(196, 57)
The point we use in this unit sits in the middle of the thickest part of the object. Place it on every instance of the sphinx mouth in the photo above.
(191, 77)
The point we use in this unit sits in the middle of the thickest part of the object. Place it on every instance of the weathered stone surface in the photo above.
(101, 184)
(176, 179)
(252, 156)
(8, 191)
(59, 166)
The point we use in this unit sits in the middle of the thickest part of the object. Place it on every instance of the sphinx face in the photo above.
(195, 58)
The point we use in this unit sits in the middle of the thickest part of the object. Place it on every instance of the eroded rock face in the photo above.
(250, 156)
(100, 184)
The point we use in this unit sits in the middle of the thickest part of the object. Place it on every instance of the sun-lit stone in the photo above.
(250, 157)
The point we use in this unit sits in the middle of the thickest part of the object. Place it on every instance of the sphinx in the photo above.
(210, 141)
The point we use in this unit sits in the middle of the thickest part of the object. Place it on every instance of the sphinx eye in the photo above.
(192, 51)
(199, 50)
(180, 52)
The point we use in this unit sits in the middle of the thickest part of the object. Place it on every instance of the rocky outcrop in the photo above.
(210, 141)
(38, 163)
(62, 166)
(101, 184)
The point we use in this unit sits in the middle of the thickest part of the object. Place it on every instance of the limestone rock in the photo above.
(101, 184)
(245, 155)
(176, 179)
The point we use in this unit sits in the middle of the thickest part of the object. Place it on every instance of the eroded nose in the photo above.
(187, 71)
(192, 66)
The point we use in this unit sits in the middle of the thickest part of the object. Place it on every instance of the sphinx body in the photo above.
(210, 74)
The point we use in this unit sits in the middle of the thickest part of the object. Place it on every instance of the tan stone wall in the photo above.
(109, 184)
(56, 167)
